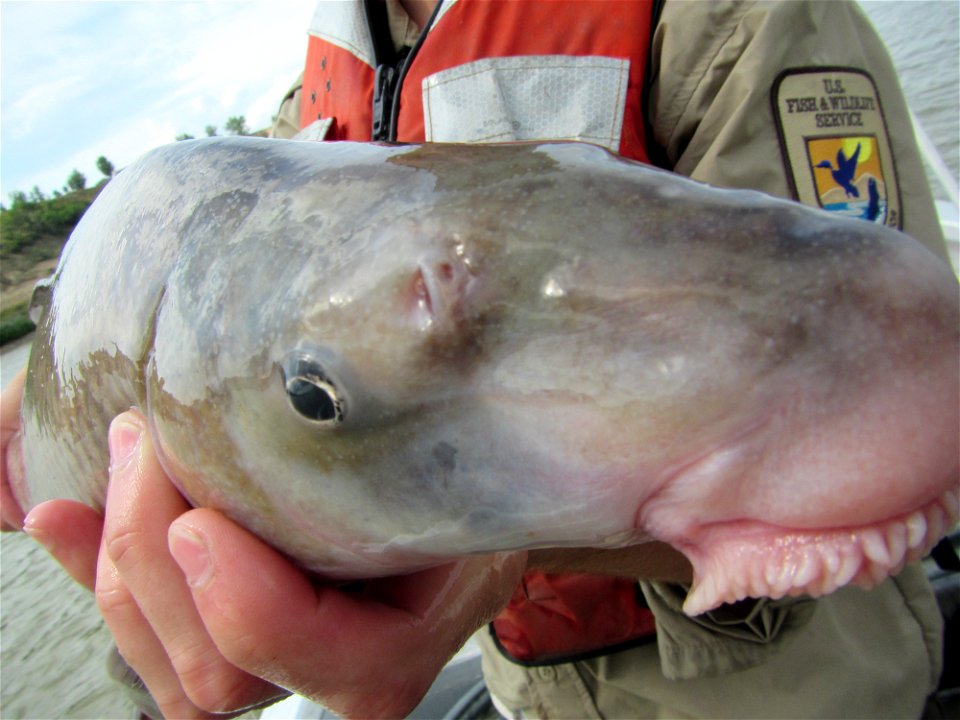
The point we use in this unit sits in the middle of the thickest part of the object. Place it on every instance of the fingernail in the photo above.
(41, 536)
(123, 439)
(190, 551)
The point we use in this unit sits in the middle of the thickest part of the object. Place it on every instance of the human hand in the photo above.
(11, 465)
(213, 620)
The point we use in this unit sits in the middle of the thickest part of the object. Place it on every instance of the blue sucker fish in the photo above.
(379, 358)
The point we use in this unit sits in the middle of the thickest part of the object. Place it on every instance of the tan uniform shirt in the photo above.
(854, 653)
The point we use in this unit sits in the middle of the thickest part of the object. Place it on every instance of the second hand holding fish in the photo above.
(232, 609)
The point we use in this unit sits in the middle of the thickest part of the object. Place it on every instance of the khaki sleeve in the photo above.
(714, 67)
(287, 122)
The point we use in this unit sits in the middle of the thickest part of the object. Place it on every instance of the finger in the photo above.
(10, 407)
(138, 644)
(356, 653)
(141, 504)
(267, 618)
(70, 531)
(11, 514)
(11, 462)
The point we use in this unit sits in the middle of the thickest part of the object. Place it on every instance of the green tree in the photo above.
(236, 125)
(105, 166)
(183, 136)
(210, 130)
(76, 180)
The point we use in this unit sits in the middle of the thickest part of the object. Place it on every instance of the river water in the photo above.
(52, 641)
(924, 41)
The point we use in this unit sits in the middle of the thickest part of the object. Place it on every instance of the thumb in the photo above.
(369, 653)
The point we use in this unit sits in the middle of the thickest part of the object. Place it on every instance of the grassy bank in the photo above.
(15, 323)
(33, 232)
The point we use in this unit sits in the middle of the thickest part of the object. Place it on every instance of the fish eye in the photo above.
(315, 400)
(311, 391)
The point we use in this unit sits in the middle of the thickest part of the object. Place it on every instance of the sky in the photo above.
(83, 79)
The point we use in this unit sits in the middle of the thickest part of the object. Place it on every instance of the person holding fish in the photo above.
(214, 620)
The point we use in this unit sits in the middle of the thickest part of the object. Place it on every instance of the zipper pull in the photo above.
(384, 80)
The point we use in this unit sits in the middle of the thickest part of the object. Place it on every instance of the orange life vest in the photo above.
(340, 72)
(561, 69)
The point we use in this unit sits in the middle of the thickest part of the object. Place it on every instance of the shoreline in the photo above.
(13, 356)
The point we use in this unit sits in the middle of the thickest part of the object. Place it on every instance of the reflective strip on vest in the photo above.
(344, 25)
(527, 98)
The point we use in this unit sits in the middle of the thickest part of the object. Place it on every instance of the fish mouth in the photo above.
(736, 559)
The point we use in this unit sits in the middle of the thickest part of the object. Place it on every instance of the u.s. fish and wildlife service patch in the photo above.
(835, 145)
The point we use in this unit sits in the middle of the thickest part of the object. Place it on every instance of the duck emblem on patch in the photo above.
(835, 145)
(848, 177)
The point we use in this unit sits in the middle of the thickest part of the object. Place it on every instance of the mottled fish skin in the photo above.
(506, 346)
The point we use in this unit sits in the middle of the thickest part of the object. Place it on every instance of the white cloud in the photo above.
(85, 79)
(38, 101)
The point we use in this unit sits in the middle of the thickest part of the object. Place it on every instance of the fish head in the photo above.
(416, 390)
(445, 350)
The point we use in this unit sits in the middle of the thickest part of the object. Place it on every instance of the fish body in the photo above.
(378, 358)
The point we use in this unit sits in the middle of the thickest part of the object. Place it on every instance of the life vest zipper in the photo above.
(391, 68)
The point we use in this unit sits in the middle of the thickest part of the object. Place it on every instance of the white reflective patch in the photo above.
(533, 97)
(315, 131)
(344, 25)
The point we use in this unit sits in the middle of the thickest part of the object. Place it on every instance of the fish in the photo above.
(379, 358)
